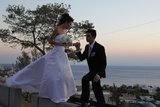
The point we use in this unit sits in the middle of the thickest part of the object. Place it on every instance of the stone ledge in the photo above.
(45, 102)
(11, 96)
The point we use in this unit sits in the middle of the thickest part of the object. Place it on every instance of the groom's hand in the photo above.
(96, 78)
(77, 45)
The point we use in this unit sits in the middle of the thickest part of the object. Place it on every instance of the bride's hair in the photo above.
(65, 18)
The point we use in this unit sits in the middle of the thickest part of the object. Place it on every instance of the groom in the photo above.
(96, 59)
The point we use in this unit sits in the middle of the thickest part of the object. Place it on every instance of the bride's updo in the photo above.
(65, 17)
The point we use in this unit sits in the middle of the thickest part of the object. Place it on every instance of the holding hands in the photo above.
(66, 44)
(77, 45)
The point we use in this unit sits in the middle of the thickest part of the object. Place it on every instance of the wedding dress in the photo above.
(50, 75)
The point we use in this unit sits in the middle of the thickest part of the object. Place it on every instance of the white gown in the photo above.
(50, 75)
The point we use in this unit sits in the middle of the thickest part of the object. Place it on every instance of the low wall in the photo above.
(45, 102)
(76, 100)
(10, 97)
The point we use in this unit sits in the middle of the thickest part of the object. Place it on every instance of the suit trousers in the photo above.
(96, 86)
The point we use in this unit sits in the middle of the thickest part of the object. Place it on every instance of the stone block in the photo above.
(45, 102)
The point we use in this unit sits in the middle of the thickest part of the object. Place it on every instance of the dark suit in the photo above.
(97, 64)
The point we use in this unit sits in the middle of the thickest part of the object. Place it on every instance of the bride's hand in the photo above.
(70, 44)
(67, 44)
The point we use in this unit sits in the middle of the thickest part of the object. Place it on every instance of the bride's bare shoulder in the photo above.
(57, 31)
(60, 30)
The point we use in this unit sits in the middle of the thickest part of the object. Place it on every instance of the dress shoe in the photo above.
(84, 105)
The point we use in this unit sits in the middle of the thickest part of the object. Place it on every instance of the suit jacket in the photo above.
(97, 59)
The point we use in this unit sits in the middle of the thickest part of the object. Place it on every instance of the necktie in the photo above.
(89, 51)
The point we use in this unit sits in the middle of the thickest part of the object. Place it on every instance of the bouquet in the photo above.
(66, 39)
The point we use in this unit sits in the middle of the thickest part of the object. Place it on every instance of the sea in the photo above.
(119, 75)
(123, 75)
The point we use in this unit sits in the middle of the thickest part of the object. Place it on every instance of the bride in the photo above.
(51, 74)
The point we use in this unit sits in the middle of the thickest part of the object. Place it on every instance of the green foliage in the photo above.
(157, 94)
(115, 94)
(3, 72)
(22, 61)
(80, 28)
(35, 54)
(27, 96)
(158, 89)
(124, 89)
(106, 87)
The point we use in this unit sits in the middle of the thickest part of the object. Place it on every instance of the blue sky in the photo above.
(129, 29)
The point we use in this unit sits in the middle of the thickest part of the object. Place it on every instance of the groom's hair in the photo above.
(92, 32)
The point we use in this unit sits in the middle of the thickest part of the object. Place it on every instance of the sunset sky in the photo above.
(129, 29)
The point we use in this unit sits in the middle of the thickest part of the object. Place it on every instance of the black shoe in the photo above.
(84, 105)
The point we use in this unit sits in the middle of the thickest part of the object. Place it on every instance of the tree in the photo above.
(22, 61)
(31, 28)
(35, 54)
(115, 94)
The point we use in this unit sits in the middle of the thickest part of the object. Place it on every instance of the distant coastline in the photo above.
(118, 75)
(77, 64)
(6, 65)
